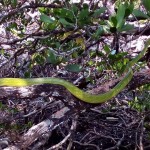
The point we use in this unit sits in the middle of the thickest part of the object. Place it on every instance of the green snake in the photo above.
(83, 96)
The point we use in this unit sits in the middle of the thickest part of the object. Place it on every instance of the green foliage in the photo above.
(98, 32)
(74, 68)
(98, 12)
(146, 4)
(38, 59)
(84, 17)
(64, 22)
(78, 38)
(14, 3)
(66, 33)
(118, 61)
(51, 58)
(117, 22)
(46, 19)
(139, 13)
(141, 100)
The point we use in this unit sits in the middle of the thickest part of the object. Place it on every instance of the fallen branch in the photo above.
(46, 127)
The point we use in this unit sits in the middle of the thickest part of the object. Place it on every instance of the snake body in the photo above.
(83, 96)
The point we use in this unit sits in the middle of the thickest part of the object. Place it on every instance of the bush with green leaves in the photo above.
(63, 32)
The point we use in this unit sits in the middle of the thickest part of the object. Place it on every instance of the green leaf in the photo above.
(98, 12)
(91, 63)
(51, 57)
(13, 25)
(84, 17)
(129, 9)
(99, 32)
(113, 21)
(120, 15)
(73, 68)
(2, 51)
(64, 22)
(85, 6)
(139, 13)
(67, 14)
(121, 25)
(127, 27)
(39, 59)
(107, 49)
(146, 4)
(46, 19)
(75, 9)
(83, 14)
(14, 2)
